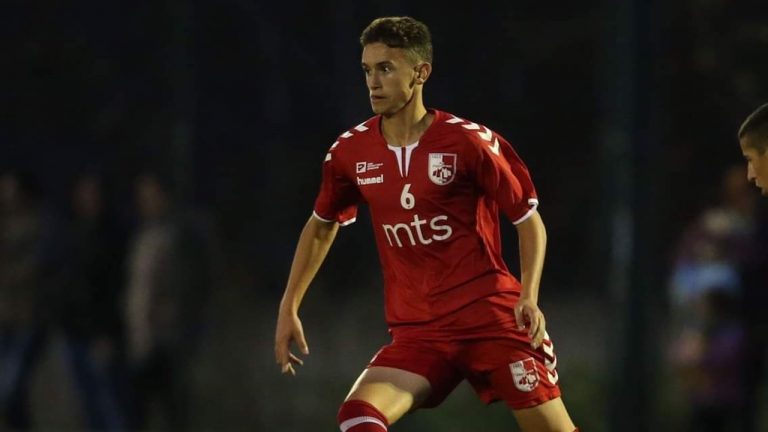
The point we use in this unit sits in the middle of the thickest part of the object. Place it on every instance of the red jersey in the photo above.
(434, 207)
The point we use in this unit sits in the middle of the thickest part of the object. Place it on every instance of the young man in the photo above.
(434, 183)
(753, 139)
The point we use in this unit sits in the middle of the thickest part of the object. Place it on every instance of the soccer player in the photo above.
(434, 183)
(753, 139)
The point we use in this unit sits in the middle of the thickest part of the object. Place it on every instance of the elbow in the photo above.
(320, 229)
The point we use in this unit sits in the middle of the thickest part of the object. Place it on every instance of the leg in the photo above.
(405, 375)
(145, 381)
(549, 416)
(392, 391)
(92, 375)
(21, 357)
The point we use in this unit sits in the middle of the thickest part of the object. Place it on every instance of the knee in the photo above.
(360, 416)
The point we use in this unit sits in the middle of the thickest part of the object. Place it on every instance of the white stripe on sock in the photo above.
(348, 424)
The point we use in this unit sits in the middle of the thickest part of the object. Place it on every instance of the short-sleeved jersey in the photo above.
(434, 207)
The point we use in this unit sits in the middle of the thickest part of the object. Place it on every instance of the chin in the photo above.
(377, 110)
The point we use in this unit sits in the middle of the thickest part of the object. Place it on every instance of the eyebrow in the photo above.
(381, 63)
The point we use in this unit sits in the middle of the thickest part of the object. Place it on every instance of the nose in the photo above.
(750, 172)
(373, 81)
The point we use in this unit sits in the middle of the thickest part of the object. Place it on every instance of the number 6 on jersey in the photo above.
(407, 200)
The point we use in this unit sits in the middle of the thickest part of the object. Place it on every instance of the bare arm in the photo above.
(533, 246)
(315, 241)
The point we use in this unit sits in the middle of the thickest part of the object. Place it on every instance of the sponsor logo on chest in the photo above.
(361, 167)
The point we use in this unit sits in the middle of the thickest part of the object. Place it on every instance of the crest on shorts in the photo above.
(525, 375)
(442, 168)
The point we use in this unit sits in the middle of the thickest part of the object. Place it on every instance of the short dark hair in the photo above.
(400, 32)
(756, 125)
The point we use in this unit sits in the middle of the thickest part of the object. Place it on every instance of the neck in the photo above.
(407, 125)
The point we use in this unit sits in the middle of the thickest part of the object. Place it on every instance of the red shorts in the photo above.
(502, 367)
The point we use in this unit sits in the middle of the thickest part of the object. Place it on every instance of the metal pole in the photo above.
(622, 189)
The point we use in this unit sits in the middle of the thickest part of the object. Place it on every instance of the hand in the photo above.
(528, 313)
(289, 329)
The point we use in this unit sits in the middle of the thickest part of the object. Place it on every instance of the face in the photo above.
(392, 78)
(757, 163)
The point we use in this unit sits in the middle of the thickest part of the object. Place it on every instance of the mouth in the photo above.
(377, 98)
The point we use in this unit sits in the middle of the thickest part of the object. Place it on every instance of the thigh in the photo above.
(392, 391)
(405, 375)
(551, 416)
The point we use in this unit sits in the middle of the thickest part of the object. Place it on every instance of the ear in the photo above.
(423, 71)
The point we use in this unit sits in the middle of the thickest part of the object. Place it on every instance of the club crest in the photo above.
(442, 168)
(525, 375)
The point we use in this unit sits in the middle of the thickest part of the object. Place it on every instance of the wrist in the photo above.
(288, 308)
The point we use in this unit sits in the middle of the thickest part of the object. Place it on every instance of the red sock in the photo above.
(360, 416)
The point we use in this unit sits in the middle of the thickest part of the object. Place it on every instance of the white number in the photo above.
(407, 200)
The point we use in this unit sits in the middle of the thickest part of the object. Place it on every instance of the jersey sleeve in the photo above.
(503, 176)
(338, 198)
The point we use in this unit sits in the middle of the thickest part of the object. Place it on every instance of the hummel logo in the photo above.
(495, 147)
(370, 180)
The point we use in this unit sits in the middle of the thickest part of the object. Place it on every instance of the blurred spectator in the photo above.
(170, 274)
(708, 346)
(710, 361)
(717, 246)
(753, 310)
(88, 306)
(21, 293)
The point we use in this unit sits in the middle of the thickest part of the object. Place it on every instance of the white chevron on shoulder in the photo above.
(328, 155)
(487, 135)
(495, 147)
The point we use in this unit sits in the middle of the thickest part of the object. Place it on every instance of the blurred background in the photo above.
(159, 159)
